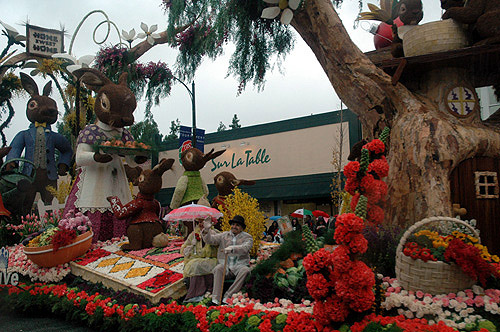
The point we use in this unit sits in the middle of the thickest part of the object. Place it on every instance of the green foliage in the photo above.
(235, 123)
(261, 285)
(377, 327)
(221, 127)
(382, 243)
(327, 238)
(212, 23)
(147, 132)
(9, 237)
(173, 130)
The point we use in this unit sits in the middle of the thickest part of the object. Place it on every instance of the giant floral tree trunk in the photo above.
(426, 142)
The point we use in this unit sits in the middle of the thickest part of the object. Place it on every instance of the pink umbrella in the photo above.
(191, 212)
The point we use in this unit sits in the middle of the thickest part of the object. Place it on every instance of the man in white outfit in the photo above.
(236, 244)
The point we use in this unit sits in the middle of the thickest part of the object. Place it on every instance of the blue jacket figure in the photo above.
(40, 143)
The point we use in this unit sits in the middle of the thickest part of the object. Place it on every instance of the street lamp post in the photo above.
(193, 107)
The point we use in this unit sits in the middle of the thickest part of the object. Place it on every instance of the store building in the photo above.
(290, 160)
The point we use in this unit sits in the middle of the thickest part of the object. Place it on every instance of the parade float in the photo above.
(365, 279)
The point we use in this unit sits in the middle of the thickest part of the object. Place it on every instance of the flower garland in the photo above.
(97, 310)
(461, 310)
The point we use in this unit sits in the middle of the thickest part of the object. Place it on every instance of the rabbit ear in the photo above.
(29, 85)
(212, 155)
(92, 77)
(132, 173)
(242, 182)
(163, 166)
(47, 89)
(123, 79)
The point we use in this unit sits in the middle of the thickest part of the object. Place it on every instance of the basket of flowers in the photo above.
(443, 257)
(117, 146)
(60, 244)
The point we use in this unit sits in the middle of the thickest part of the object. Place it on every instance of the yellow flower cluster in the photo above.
(430, 234)
(50, 66)
(241, 203)
(346, 203)
(35, 242)
(70, 120)
(485, 254)
(62, 191)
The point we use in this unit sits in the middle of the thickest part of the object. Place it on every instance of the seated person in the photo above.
(199, 261)
(233, 256)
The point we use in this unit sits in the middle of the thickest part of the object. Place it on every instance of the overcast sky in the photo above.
(301, 89)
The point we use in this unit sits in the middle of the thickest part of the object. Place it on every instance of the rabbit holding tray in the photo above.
(101, 175)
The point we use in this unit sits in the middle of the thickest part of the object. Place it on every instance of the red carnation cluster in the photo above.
(376, 146)
(336, 280)
(470, 261)
(368, 181)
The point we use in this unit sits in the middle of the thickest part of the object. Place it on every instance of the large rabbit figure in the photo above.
(225, 182)
(40, 143)
(191, 187)
(144, 227)
(101, 175)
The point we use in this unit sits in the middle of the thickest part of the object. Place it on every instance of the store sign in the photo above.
(43, 42)
(248, 159)
(7, 278)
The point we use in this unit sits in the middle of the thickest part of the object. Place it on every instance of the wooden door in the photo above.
(474, 185)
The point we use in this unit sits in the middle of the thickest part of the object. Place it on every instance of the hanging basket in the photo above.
(45, 256)
(430, 277)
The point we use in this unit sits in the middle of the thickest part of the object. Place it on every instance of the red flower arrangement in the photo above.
(63, 237)
(470, 261)
(336, 280)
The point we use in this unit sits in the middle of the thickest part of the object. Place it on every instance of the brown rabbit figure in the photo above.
(40, 143)
(142, 212)
(225, 182)
(483, 15)
(101, 175)
(190, 187)
(410, 13)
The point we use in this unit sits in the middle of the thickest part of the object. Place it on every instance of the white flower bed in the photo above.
(455, 309)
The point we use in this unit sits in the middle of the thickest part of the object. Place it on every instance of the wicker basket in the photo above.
(430, 277)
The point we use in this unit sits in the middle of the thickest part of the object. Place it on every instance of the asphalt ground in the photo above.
(13, 322)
